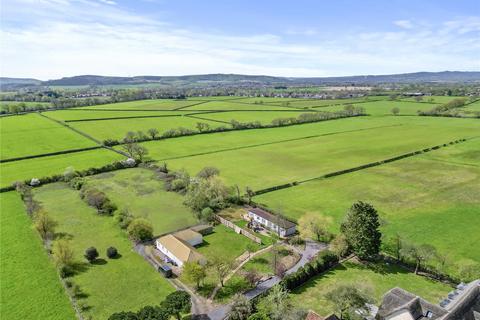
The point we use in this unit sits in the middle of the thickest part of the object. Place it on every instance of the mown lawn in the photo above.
(30, 287)
(376, 279)
(32, 134)
(48, 166)
(110, 285)
(224, 243)
(269, 165)
(118, 128)
(143, 195)
(432, 198)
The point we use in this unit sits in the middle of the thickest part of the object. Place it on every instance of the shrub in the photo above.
(112, 252)
(207, 215)
(140, 229)
(124, 218)
(91, 254)
(77, 183)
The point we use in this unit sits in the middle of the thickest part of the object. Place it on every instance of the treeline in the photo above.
(203, 127)
(453, 108)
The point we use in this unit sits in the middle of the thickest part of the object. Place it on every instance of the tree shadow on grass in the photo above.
(118, 256)
(381, 267)
(99, 262)
(63, 235)
(80, 267)
(313, 282)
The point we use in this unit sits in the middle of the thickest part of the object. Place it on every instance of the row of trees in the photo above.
(174, 305)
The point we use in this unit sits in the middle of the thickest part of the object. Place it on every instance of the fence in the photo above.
(237, 229)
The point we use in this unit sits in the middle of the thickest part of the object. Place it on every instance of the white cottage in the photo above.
(274, 223)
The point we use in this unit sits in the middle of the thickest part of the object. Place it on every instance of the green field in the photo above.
(434, 99)
(377, 280)
(265, 117)
(158, 104)
(143, 195)
(112, 285)
(30, 287)
(382, 108)
(240, 105)
(431, 198)
(116, 129)
(32, 134)
(278, 163)
(78, 114)
(48, 166)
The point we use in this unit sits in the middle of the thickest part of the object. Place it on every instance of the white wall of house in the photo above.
(272, 226)
(170, 255)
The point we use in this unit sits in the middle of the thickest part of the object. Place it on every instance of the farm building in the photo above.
(180, 251)
(461, 304)
(283, 227)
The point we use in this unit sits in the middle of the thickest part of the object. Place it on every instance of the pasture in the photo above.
(264, 117)
(384, 108)
(48, 166)
(264, 166)
(141, 193)
(376, 279)
(30, 287)
(150, 104)
(431, 198)
(117, 129)
(83, 114)
(110, 285)
(32, 134)
(233, 105)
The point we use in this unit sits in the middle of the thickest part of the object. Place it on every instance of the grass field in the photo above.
(378, 279)
(139, 191)
(432, 198)
(30, 287)
(111, 285)
(31, 134)
(233, 105)
(278, 163)
(78, 114)
(265, 117)
(48, 166)
(116, 129)
(434, 99)
(382, 108)
(158, 104)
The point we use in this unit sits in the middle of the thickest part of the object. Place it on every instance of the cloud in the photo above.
(46, 40)
(405, 24)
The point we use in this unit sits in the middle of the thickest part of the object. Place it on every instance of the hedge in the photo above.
(321, 263)
(50, 154)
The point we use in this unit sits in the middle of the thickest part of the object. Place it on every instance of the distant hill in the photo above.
(232, 79)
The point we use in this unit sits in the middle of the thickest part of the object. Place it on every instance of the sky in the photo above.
(50, 39)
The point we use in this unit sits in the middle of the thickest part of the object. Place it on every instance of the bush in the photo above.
(140, 229)
(77, 183)
(65, 271)
(112, 252)
(207, 215)
(91, 254)
(124, 218)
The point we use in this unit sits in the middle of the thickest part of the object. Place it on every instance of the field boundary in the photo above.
(121, 118)
(50, 154)
(275, 142)
(361, 167)
(206, 119)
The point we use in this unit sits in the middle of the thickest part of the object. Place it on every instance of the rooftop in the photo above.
(181, 249)
(283, 223)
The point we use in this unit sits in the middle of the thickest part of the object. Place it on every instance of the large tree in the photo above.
(140, 229)
(221, 268)
(44, 225)
(277, 303)
(176, 303)
(361, 229)
(194, 272)
(347, 299)
(420, 254)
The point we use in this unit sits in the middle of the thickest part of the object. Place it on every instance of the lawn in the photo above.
(110, 285)
(79, 114)
(431, 198)
(30, 287)
(224, 243)
(116, 129)
(32, 134)
(152, 104)
(143, 195)
(264, 166)
(48, 166)
(377, 279)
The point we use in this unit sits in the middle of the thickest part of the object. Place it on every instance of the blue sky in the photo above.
(48, 39)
